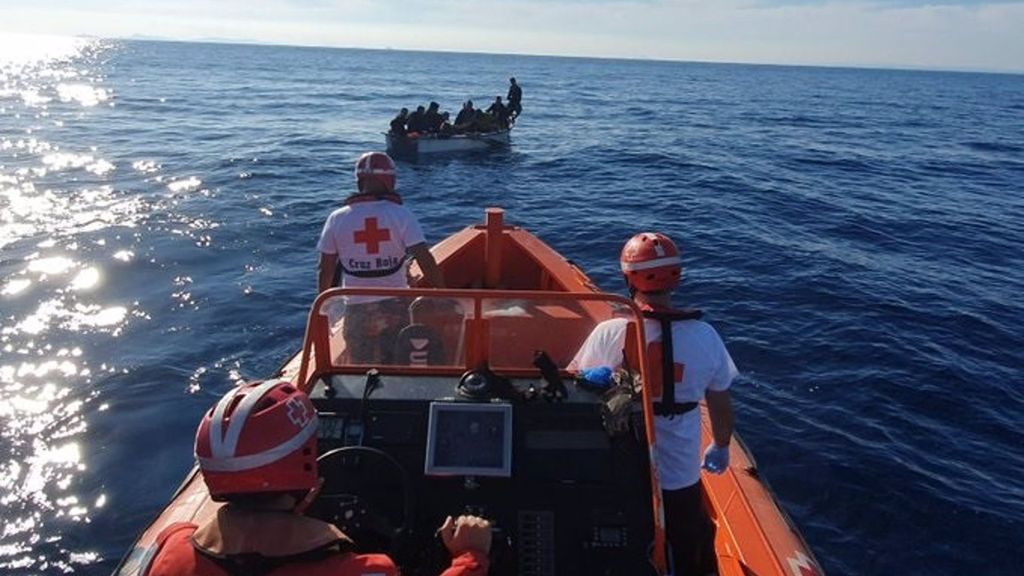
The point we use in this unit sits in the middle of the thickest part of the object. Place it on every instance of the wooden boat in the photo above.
(466, 416)
(414, 145)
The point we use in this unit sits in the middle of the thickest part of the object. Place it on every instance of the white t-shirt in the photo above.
(706, 366)
(371, 237)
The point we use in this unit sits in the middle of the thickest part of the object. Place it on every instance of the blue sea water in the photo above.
(855, 235)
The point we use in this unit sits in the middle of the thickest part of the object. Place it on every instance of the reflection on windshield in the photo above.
(424, 330)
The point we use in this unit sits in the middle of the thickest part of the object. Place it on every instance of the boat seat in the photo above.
(419, 345)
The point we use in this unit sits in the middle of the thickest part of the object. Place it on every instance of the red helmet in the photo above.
(376, 166)
(260, 437)
(650, 262)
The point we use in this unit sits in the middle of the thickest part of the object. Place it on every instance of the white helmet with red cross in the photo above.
(650, 262)
(260, 437)
(375, 168)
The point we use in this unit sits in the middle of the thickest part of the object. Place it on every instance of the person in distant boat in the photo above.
(499, 112)
(432, 118)
(464, 119)
(398, 123)
(257, 453)
(687, 363)
(515, 99)
(370, 239)
(417, 121)
(483, 122)
(445, 128)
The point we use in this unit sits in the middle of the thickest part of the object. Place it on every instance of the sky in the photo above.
(935, 34)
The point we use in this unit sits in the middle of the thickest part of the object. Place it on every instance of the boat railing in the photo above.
(500, 330)
(497, 329)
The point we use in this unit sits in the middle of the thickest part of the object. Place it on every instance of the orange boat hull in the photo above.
(755, 537)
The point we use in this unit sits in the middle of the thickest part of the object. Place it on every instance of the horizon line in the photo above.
(839, 66)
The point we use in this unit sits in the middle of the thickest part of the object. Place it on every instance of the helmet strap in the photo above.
(633, 291)
(630, 287)
(374, 184)
(661, 298)
(304, 503)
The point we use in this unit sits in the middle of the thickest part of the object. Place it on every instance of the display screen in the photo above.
(469, 439)
(330, 428)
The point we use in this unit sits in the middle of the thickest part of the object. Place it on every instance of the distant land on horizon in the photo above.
(866, 66)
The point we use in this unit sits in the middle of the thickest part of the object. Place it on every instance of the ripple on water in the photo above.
(51, 199)
(853, 234)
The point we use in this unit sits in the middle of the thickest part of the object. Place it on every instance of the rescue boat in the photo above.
(416, 144)
(476, 412)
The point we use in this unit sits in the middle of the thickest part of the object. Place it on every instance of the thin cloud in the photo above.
(895, 33)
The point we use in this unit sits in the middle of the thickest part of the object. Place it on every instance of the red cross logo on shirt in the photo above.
(371, 236)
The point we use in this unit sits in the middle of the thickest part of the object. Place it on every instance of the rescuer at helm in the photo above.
(257, 453)
(371, 239)
(687, 362)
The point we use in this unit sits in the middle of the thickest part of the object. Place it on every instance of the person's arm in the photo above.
(328, 266)
(431, 272)
(603, 346)
(719, 401)
(720, 411)
(468, 540)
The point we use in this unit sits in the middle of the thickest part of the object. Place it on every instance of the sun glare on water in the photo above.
(27, 49)
(58, 216)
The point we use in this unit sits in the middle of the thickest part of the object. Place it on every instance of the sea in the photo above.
(855, 235)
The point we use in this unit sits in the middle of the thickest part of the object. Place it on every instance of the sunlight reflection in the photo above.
(145, 166)
(44, 462)
(67, 454)
(33, 98)
(187, 185)
(86, 279)
(65, 160)
(50, 208)
(100, 167)
(103, 316)
(84, 557)
(25, 49)
(80, 316)
(53, 265)
(82, 93)
(39, 321)
(25, 212)
(15, 286)
(28, 405)
(41, 370)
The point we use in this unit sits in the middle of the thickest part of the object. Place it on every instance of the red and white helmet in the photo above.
(376, 166)
(260, 437)
(650, 262)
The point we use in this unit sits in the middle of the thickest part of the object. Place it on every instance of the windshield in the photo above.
(352, 330)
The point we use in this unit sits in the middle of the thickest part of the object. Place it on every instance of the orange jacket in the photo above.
(178, 556)
(468, 564)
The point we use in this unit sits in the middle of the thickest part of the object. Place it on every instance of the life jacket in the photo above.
(248, 543)
(665, 316)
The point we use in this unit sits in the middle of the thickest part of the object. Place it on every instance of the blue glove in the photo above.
(716, 458)
(602, 376)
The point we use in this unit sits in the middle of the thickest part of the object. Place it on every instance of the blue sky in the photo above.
(942, 34)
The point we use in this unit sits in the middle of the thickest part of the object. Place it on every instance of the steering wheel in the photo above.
(357, 496)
